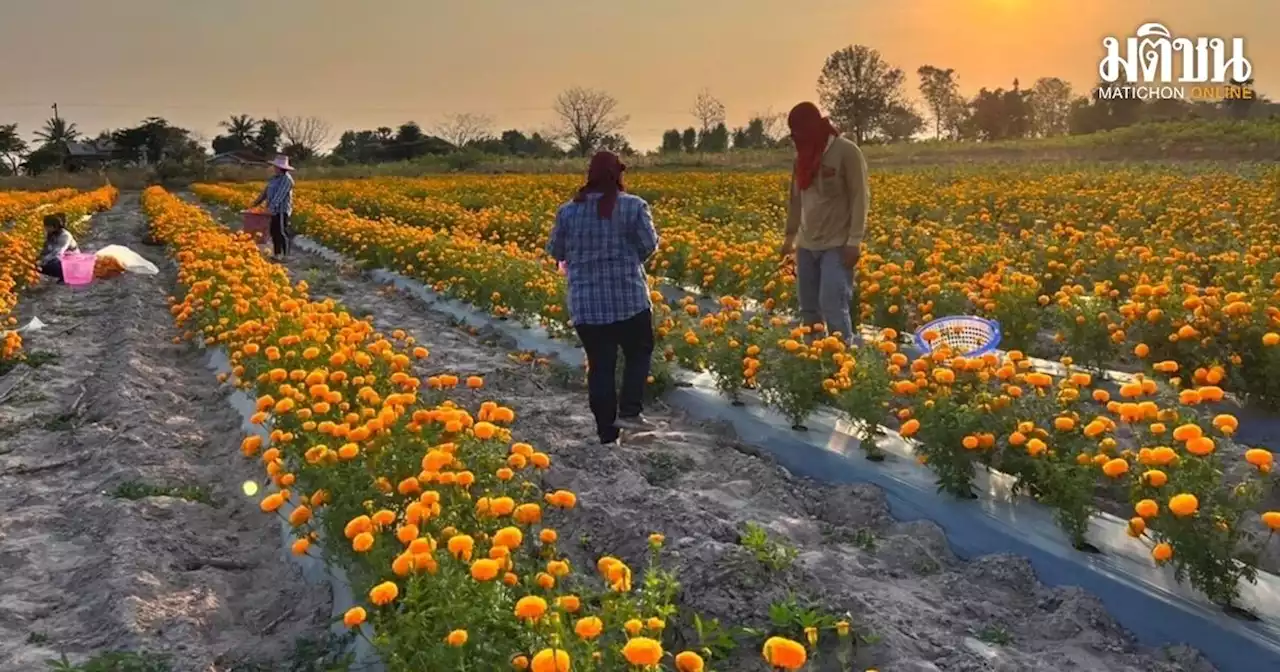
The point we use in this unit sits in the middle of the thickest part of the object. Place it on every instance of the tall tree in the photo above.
(859, 88)
(714, 140)
(689, 139)
(751, 136)
(939, 88)
(466, 128)
(762, 131)
(12, 147)
(1050, 106)
(410, 141)
(357, 147)
(1017, 109)
(304, 137)
(267, 141)
(43, 158)
(240, 128)
(58, 132)
(587, 116)
(158, 141)
(773, 126)
(671, 142)
(1001, 114)
(617, 144)
(708, 110)
(901, 123)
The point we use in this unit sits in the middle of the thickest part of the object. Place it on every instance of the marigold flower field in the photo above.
(1172, 276)
(20, 243)
(440, 514)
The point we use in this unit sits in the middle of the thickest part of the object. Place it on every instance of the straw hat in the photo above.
(282, 162)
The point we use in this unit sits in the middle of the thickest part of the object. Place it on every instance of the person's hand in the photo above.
(788, 248)
(850, 255)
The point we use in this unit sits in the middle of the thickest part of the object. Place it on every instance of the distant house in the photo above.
(237, 158)
(91, 154)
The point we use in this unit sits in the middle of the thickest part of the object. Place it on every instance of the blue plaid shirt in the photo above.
(605, 258)
(278, 195)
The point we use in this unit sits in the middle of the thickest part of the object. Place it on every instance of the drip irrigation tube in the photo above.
(1141, 596)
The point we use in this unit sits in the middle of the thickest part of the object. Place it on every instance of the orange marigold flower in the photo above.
(530, 608)
(784, 653)
(354, 617)
(1184, 504)
(688, 661)
(485, 569)
(551, 660)
(642, 651)
(384, 593)
(588, 628)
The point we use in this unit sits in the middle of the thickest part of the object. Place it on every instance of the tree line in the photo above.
(587, 119)
(866, 97)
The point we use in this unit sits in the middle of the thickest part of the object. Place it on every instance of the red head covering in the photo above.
(604, 176)
(810, 132)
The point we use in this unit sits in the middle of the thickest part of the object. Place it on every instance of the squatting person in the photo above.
(278, 196)
(826, 218)
(57, 241)
(603, 237)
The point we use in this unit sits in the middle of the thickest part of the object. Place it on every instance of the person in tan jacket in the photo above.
(826, 219)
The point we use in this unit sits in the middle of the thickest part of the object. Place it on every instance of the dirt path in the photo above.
(123, 524)
(917, 606)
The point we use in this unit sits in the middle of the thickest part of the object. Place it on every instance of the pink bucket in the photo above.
(257, 224)
(77, 268)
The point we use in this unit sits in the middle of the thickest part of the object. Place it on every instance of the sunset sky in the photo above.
(382, 62)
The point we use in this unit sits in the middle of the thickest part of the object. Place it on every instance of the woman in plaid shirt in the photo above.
(603, 237)
(278, 195)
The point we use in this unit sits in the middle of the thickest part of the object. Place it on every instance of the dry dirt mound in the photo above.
(917, 606)
(123, 524)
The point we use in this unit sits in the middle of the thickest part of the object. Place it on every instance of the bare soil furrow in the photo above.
(124, 526)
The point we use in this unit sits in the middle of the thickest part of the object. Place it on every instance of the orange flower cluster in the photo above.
(15, 203)
(503, 279)
(1111, 262)
(20, 249)
(107, 267)
(1065, 440)
(434, 511)
(1017, 248)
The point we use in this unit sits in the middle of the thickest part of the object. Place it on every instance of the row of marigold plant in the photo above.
(1016, 250)
(1157, 447)
(20, 248)
(438, 515)
(15, 203)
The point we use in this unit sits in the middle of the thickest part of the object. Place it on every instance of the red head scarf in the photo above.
(810, 132)
(604, 176)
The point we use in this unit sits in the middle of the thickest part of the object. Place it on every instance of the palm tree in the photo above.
(58, 132)
(241, 127)
(11, 146)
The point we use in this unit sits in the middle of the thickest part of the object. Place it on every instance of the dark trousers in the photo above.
(634, 336)
(280, 234)
(52, 268)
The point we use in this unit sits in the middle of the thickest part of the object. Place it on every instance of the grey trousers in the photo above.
(825, 288)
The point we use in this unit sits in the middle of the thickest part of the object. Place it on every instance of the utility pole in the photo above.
(55, 111)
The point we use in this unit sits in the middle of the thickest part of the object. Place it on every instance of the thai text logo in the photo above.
(1155, 64)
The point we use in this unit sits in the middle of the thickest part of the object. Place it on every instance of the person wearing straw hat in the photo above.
(278, 197)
